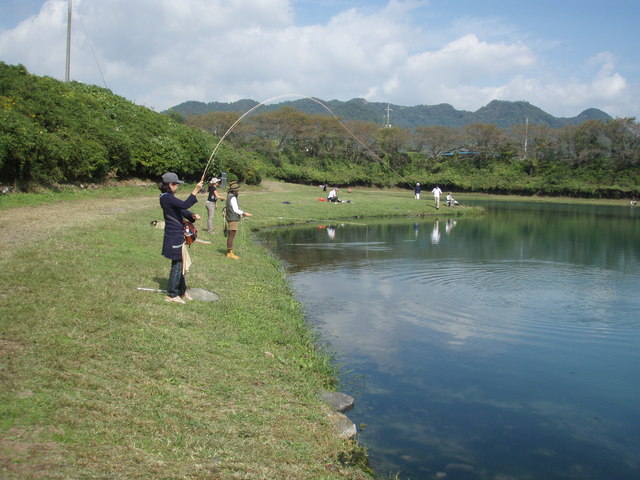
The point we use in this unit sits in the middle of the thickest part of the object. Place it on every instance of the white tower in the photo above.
(388, 124)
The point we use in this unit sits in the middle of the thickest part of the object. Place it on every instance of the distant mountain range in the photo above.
(499, 112)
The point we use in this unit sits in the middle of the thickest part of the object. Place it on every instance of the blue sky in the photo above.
(563, 56)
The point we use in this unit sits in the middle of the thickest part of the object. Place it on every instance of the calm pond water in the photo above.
(500, 347)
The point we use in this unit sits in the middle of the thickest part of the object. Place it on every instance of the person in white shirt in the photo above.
(233, 214)
(333, 195)
(436, 196)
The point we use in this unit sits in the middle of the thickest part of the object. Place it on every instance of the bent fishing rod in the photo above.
(255, 107)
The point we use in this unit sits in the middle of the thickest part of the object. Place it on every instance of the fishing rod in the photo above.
(318, 220)
(255, 107)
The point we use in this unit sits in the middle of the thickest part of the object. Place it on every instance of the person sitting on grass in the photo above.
(451, 202)
(333, 195)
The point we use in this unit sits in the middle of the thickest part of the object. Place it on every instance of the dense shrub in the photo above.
(55, 132)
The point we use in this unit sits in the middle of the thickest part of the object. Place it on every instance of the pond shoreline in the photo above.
(87, 355)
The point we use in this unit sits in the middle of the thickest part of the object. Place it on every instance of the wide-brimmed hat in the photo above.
(171, 177)
(214, 180)
(234, 186)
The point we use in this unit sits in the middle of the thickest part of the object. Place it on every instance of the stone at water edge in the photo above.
(344, 427)
(339, 401)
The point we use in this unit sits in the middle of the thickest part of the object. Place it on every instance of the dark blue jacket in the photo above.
(174, 210)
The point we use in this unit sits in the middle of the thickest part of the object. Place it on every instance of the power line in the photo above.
(86, 34)
(95, 57)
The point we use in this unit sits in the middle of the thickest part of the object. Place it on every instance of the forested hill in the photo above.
(501, 113)
(53, 132)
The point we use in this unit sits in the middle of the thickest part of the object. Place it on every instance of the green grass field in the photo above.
(101, 380)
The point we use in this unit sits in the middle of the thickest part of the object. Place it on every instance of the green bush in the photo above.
(54, 132)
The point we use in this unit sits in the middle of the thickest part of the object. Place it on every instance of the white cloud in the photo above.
(38, 42)
(162, 52)
(606, 89)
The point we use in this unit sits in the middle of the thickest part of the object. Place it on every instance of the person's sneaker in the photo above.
(174, 299)
(232, 255)
(186, 296)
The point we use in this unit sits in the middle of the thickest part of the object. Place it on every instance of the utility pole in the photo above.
(68, 66)
(526, 136)
(388, 125)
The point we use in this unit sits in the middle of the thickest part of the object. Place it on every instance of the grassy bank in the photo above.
(103, 380)
(542, 199)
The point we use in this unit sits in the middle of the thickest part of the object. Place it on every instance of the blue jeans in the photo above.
(176, 285)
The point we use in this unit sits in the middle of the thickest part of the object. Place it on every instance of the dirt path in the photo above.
(28, 225)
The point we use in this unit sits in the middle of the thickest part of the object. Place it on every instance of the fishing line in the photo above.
(366, 232)
(255, 107)
(319, 220)
(353, 135)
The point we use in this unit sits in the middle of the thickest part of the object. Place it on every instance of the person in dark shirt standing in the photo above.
(173, 245)
(212, 200)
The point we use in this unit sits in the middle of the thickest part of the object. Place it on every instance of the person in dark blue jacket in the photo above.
(174, 211)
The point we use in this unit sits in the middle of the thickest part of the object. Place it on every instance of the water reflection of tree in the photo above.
(558, 234)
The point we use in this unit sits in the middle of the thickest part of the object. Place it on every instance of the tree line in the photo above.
(595, 158)
(53, 132)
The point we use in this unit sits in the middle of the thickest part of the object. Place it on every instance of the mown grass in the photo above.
(70, 193)
(103, 380)
(542, 199)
